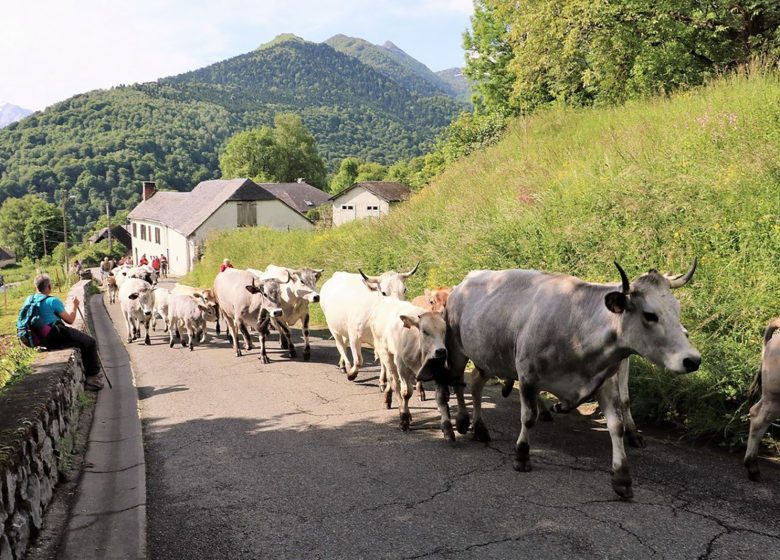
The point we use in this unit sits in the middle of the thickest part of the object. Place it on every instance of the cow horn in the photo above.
(372, 279)
(408, 274)
(683, 279)
(623, 278)
(289, 277)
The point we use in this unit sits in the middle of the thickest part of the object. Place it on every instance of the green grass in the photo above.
(651, 184)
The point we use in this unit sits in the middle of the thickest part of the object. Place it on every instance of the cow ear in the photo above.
(134, 295)
(197, 295)
(427, 293)
(252, 289)
(204, 308)
(373, 286)
(616, 302)
(410, 321)
(318, 272)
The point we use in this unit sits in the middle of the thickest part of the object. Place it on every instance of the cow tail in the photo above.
(754, 392)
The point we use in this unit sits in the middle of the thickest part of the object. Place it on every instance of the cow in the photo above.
(559, 334)
(766, 385)
(161, 297)
(120, 273)
(144, 272)
(245, 301)
(296, 294)
(347, 300)
(407, 339)
(432, 300)
(112, 288)
(136, 298)
(188, 313)
(207, 294)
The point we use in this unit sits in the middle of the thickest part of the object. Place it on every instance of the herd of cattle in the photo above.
(551, 332)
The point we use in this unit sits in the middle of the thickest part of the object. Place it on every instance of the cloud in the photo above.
(52, 49)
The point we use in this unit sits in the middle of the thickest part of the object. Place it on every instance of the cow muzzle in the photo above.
(691, 363)
(315, 298)
(276, 312)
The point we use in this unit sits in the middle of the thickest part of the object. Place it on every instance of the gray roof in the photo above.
(301, 196)
(185, 212)
(389, 191)
(119, 233)
(6, 254)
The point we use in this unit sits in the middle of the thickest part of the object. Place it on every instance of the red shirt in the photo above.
(156, 263)
(143, 261)
(223, 266)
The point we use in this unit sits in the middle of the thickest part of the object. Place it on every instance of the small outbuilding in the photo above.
(367, 199)
(119, 234)
(7, 257)
(301, 195)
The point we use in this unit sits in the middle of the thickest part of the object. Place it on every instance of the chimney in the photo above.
(148, 189)
(300, 180)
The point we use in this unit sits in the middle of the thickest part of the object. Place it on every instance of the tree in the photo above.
(346, 175)
(371, 171)
(282, 154)
(24, 222)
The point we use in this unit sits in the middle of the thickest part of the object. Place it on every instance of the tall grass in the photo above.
(651, 184)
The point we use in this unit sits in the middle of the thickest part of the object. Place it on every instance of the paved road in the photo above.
(290, 460)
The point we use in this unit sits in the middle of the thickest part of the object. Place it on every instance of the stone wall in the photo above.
(38, 418)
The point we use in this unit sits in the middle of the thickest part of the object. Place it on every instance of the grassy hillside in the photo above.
(650, 184)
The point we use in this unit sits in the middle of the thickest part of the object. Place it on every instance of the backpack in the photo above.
(27, 323)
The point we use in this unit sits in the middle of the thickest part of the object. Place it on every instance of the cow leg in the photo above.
(545, 413)
(154, 321)
(635, 439)
(263, 355)
(507, 387)
(528, 412)
(609, 401)
(462, 420)
(170, 336)
(404, 387)
(420, 390)
(341, 345)
(234, 328)
(442, 403)
(761, 416)
(246, 336)
(191, 332)
(218, 314)
(285, 335)
(129, 325)
(147, 341)
(357, 356)
(478, 381)
(382, 377)
(306, 347)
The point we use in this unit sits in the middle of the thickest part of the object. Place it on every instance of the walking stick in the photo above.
(89, 330)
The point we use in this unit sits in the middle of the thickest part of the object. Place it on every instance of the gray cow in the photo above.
(767, 409)
(245, 302)
(559, 334)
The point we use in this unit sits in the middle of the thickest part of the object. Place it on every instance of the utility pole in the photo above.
(108, 219)
(65, 231)
(43, 231)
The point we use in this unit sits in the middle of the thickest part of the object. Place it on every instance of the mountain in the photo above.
(394, 63)
(459, 84)
(99, 145)
(11, 113)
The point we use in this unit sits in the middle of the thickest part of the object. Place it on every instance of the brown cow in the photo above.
(767, 409)
(112, 288)
(431, 300)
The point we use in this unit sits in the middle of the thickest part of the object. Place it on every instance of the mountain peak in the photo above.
(10, 113)
(282, 38)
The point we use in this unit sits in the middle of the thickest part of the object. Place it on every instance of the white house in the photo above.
(367, 199)
(176, 224)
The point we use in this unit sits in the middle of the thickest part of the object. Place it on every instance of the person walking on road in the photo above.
(56, 335)
(225, 265)
(164, 266)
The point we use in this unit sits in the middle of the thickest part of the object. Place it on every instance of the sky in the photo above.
(53, 49)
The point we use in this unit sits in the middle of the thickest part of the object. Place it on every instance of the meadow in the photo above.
(651, 184)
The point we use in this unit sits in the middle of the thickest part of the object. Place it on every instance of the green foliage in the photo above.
(346, 175)
(15, 360)
(371, 171)
(251, 154)
(25, 221)
(98, 146)
(651, 184)
(91, 254)
(581, 52)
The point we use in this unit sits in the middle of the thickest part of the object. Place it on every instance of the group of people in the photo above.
(159, 264)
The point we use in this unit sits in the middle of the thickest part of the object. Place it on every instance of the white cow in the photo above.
(136, 298)
(207, 294)
(348, 301)
(120, 273)
(245, 301)
(188, 313)
(161, 298)
(407, 339)
(298, 289)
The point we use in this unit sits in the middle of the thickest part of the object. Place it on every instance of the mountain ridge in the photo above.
(10, 113)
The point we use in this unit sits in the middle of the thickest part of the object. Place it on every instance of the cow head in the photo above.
(270, 293)
(430, 329)
(390, 283)
(144, 296)
(304, 283)
(437, 298)
(208, 307)
(650, 319)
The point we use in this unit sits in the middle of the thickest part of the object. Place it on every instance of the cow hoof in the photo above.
(506, 390)
(264, 359)
(521, 466)
(406, 421)
(462, 423)
(522, 461)
(170, 344)
(623, 489)
(481, 432)
(147, 341)
(752, 468)
(635, 439)
(192, 348)
(352, 375)
(306, 355)
(129, 339)
(382, 387)
(446, 429)
(291, 354)
(183, 344)
(545, 415)
(387, 398)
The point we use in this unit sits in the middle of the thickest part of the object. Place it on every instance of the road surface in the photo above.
(291, 460)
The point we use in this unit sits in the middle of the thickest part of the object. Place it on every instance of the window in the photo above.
(143, 232)
(347, 207)
(135, 232)
(157, 235)
(372, 208)
(247, 214)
